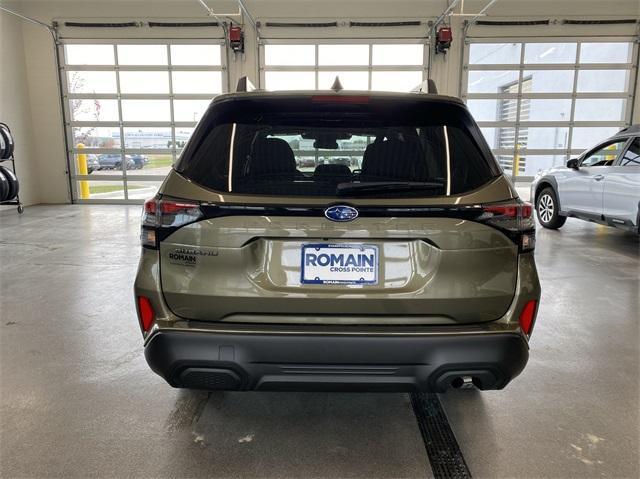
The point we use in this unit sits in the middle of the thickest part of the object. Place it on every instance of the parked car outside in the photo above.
(412, 271)
(114, 162)
(92, 163)
(602, 185)
(140, 161)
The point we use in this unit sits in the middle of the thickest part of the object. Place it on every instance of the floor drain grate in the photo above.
(442, 448)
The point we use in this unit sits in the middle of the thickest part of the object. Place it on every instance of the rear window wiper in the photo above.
(344, 189)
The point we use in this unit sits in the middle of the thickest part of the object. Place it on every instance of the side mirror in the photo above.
(573, 163)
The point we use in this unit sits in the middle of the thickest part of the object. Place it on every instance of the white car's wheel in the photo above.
(547, 209)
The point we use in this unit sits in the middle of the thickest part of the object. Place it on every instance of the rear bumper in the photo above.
(308, 362)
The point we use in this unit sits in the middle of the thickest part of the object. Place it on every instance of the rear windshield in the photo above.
(341, 150)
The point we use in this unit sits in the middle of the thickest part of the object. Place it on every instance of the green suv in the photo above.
(337, 241)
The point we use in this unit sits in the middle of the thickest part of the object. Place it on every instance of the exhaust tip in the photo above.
(463, 382)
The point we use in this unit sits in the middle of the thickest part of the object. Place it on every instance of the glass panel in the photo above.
(103, 164)
(610, 52)
(600, 109)
(197, 82)
(290, 80)
(496, 137)
(552, 138)
(393, 54)
(142, 54)
(142, 190)
(94, 110)
(102, 190)
(603, 80)
(182, 136)
(343, 54)
(195, 55)
(550, 52)
(395, 81)
(96, 137)
(349, 80)
(144, 82)
(145, 110)
(91, 82)
(155, 164)
(93, 165)
(491, 81)
(89, 54)
(631, 157)
(147, 137)
(290, 55)
(529, 165)
(586, 137)
(484, 110)
(189, 110)
(549, 81)
(545, 110)
(604, 156)
(485, 53)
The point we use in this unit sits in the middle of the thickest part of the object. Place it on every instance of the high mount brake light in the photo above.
(515, 220)
(161, 217)
(353, 99)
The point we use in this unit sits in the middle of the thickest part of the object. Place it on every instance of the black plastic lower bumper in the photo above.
(308, 362)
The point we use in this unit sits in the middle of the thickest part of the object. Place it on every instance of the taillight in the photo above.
(145, 313)
(515, 219)
(161, 217)
(528, 316)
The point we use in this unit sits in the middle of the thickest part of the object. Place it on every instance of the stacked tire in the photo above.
(8, 182)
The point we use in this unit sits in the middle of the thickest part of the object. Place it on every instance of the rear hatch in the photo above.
(336, 209)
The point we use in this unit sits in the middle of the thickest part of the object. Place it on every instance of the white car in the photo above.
(601, 185)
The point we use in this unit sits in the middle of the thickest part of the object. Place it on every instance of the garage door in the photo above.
(133, 105)
(541, 101)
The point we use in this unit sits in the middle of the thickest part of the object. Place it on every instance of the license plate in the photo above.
(339, 264)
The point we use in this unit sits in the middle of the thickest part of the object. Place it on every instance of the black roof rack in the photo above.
(244, 85)
(427, 86)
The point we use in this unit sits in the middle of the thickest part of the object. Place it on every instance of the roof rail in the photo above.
(244, 84)
(427, 86)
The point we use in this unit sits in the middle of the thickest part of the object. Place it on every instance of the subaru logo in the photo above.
(341, 213)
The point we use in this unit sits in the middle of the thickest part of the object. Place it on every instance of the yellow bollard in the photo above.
(516, 161)
(82, 170)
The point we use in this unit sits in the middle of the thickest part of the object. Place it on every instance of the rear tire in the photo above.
(547, 210)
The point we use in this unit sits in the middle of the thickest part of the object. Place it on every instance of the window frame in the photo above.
(130, 175)
(575, 66)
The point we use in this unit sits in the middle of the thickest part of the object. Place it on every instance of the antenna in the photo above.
(337, 86)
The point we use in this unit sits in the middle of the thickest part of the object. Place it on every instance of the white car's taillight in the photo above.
(161, 216)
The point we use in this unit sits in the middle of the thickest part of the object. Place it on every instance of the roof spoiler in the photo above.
(244, 85)
(427, 86)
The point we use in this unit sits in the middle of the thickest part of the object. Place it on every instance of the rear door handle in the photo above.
(598, 177)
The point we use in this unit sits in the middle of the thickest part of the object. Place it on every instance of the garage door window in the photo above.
(133, 106)
(360, 66)
(541, 102)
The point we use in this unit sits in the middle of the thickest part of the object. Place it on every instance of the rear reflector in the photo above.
(146, 313)
(528, 316)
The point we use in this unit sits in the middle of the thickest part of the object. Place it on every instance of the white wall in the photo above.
(15, 108)
(42, 93)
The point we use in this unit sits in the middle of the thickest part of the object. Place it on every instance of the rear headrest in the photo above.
(394, 159)
(332, 170)
(272, 156)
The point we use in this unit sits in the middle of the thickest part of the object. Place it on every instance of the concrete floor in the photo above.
(77, 399)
